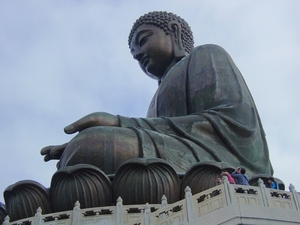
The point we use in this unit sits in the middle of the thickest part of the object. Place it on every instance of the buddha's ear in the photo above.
(175, 30)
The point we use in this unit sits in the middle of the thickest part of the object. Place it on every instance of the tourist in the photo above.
(240, 176)
(229, 177)
(218, 181)
(272, 183)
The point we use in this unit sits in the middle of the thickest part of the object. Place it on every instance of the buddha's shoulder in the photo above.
(207, 48)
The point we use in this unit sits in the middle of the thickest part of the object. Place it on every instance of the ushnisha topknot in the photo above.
(161, 19)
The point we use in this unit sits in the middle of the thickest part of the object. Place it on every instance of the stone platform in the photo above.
(227, 204)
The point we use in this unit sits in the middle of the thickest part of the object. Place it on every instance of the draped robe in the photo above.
(202, 111)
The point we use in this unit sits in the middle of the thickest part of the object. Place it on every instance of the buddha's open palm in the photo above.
(94, 119)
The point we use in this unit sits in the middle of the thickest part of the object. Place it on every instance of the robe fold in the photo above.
(203, 111)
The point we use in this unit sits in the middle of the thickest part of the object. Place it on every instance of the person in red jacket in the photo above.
(230, 179)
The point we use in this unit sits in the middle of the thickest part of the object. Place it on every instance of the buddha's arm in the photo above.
(180, 125)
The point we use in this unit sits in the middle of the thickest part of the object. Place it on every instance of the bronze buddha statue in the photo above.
(201, 120)
(202, 110)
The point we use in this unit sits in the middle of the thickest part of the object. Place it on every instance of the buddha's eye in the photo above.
(143, 40)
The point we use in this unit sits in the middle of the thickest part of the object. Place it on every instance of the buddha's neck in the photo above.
(175, 61)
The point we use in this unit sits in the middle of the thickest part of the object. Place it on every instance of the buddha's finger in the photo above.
(83, 123)
(47, 158)
(46, 150)
(57, 151)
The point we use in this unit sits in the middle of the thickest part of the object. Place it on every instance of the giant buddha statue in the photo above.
(201, 120)
(202, 110)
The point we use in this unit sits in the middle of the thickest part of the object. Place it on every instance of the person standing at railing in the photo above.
(218, 181)
(230, 179)
(272, 183)
(240, 176)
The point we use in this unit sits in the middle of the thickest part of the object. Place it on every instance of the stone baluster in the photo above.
(119, 212)
(265, 194)
(189, 204)
(296, 196)
(164, 201)
(147, 215)
(227, 190)
(6, 220)
(77, 216)
(37, 217)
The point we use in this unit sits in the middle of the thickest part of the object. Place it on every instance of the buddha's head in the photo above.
(158, 40)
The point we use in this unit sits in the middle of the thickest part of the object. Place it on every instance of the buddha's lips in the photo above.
(144, 61)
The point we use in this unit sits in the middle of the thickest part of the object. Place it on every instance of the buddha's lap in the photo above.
(108, 147)
(104, 147)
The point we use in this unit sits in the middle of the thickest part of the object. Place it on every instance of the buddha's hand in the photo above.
(92, 120)
(53, 151)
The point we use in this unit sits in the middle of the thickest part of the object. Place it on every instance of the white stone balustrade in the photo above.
(225, 202)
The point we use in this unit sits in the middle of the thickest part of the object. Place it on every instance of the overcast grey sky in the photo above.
(61, 60)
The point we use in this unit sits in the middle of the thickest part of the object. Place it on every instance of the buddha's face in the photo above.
(153, 49)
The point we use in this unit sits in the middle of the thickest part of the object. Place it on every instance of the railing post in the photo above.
(189, 204)
(6, 220)
(77, 216)
(147, 215)
(119, 212)
(164, 201)
(264, 193)
(296, 196)
(227, 190)
(38, 217)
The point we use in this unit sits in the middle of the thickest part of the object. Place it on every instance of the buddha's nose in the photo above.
(138, 54)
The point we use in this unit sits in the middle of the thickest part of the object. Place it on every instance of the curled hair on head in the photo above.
(161, 20)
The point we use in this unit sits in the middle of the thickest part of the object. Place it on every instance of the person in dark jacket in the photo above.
(240, 176)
